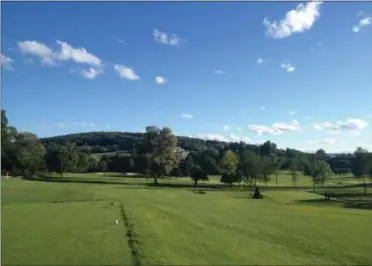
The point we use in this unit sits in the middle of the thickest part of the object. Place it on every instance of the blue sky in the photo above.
(296, 74)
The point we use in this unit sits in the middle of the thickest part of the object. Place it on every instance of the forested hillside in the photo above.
(159, 153)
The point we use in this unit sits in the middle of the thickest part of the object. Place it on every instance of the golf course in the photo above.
(71, 221)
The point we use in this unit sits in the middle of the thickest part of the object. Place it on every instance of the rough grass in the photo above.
(175, 226)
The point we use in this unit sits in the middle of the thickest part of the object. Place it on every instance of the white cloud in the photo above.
(83, 124)
(230, 138)
(160, 80)
(126, 72)
(213, 137)
(142, 130)
(324, 142)
(79, 55)
(260, 129)
(259, 61)
(292, 113)
(165, 38)
(235, 138)
(239, 129)
(91, 73)
(288, 67)
(287, 127)
(276, 128)
(353, 125)
(263, 107)
(60, 125)
(296, 20)
(366, 21)
(219, 72)
(226, 127)
(187, 116)
(6, 62)
(38, 49)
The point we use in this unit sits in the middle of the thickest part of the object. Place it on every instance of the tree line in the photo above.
(156, 153)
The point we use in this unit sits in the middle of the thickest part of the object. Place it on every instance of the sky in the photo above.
(295, 73)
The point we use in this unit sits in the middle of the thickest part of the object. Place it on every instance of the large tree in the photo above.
(361, 165)
(228, 167)
(293, 171)
(159, 146)
(30, 154)
(319, 171)
(61, 158)
(250, 167)
(197, 174)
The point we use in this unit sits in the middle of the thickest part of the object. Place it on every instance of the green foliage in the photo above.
(293, 171)
(229, 162)
(361, 165)
(197, 174)
(159, 146)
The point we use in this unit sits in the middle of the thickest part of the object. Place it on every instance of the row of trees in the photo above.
(156, 154)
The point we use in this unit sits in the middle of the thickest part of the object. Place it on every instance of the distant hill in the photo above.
(103, 141)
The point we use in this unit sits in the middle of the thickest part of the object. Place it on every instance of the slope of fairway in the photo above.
(223, 228)
(52, 223)
(63, 234)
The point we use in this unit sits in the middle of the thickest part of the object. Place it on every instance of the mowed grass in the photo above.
(74, 233)
(174, 226)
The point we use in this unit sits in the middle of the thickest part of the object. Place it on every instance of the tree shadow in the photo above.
(352, 204)
(86, 181)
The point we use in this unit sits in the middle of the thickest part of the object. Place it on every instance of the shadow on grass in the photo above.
(87, 181)
(355, 204)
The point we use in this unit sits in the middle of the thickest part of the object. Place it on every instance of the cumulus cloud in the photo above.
(226, 127)
(66, 53)
(259, 61)
(219, 72)
(276, 128)
(6, 62)
(261, 129)
(212, 137)
(187, 116)
(230, 138)
(91, 73)
(351, 124)
(160, 80)
(235, 138)
(78, 55)
(126, 72)
(297, 20)
(165, 38)
(83, 124)
(365, 21)
(37, 49)
(323, 141)
(288, 67)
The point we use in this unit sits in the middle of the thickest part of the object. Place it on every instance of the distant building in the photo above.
(183, 152)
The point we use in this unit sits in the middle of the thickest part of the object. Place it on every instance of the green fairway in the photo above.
(53, 223)
(63, 234)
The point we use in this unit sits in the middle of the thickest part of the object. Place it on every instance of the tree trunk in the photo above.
(276, 181)
(196, 183)
(155, 179)
(365, 186)
(313, 185)
(61, 174)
